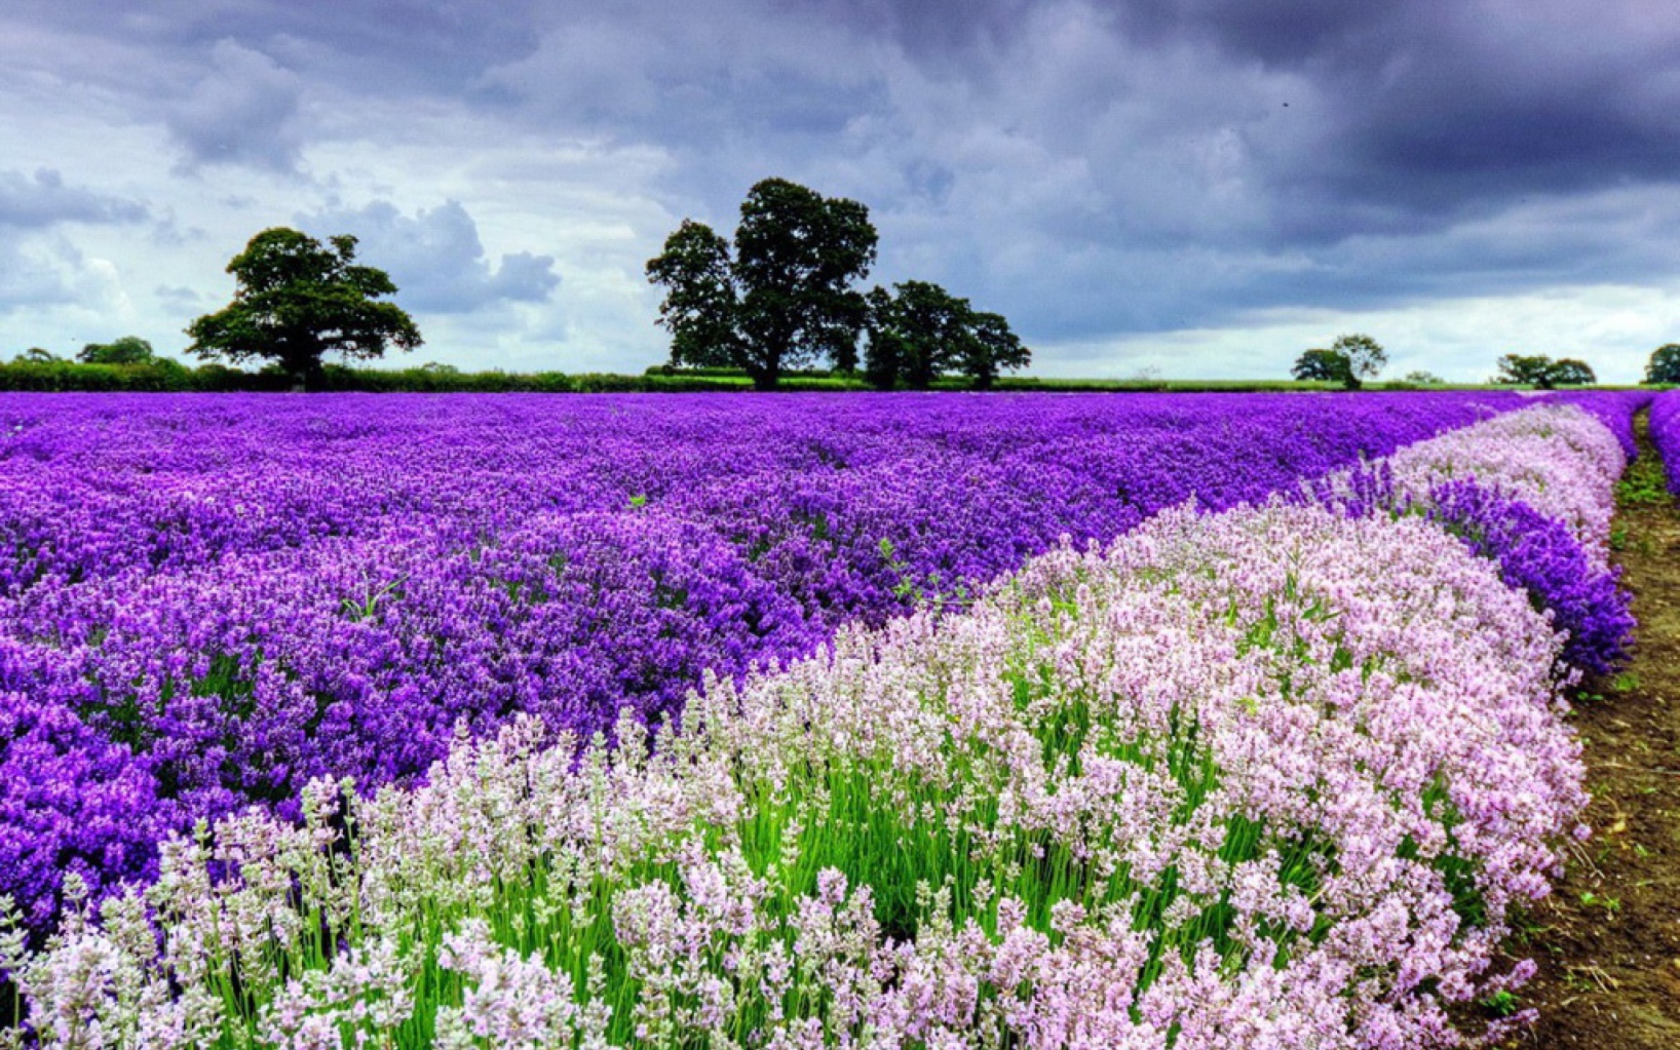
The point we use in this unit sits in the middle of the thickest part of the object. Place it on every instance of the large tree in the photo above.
(919, 331)
(297, 300)
(780, 297)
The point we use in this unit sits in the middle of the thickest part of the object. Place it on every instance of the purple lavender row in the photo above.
(1665, 433)
(210, 600)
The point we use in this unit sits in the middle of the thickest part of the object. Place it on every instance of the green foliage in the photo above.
(1364, 355)
(1542, 372)
(1351, 359)
(37, 355)
(1419, 377)
(1324, 366)
(128, 350)
(1644, 484)
(990, 348)
(158, 374)
(920, 331)
(1664, 367)
(298, 300)
(780, 297)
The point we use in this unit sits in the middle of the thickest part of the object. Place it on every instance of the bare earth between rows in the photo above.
(1608, 940)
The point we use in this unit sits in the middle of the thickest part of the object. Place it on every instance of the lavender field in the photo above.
(918, 721)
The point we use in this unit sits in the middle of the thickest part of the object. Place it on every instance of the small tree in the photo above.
(1664, 367)
(37, 355)
(1541, 372)
(780, 297)
(913, 334)
(128, 350)
(1324, 366)
(1569, 371)
(920, 331)
(1419, 377)
(1365, 357)
(1522, 370)
(990, 348)
(298, 300)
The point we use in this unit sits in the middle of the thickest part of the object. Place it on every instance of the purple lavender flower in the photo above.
(229, 595)
(1543, 557)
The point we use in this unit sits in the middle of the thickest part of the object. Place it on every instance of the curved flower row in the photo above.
(207, 602)
(1513, 490)
(1665, 433)
(1273, 777)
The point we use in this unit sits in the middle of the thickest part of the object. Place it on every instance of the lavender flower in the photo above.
(215, 599)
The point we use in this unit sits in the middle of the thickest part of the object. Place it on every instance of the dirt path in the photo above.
(1608, 940)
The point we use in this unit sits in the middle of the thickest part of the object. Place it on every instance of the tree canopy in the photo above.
(781, 296)
(919, 331)
(297, 300)
(1538, 370)
(1351, 359)
(1365, 356)
(127, 350)
(1664, 367)
(1323, 366)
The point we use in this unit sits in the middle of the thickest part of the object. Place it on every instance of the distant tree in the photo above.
(298, 300)
(1522, 369)
(128, 350)
(1324, 366)
(914, 332)
(37, 355)
(781, 297)
(1422, 378)
(1365, 356)
(1542, 372)
(1665, 365)
(1351, 359)
(1569, 371)
(991, 348)
(919, 331)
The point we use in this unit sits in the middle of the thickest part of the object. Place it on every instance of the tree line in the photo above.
(785, 295)
(1356, 357)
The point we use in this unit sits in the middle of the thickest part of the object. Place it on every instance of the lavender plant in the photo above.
(1483, 485)
(218, 599)
(1221, 784)
(1544, 558)
(1665, 433)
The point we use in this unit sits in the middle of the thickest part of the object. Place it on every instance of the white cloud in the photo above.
(1613, 328)
(437, 259)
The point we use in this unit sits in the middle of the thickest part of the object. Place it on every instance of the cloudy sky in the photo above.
(1189, 188)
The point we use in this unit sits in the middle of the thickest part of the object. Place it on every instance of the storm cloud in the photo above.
(1101, 171)
(45, 199)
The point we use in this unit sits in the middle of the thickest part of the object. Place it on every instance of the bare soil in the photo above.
(1608, 939)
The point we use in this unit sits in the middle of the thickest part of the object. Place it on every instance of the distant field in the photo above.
(166, 375)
